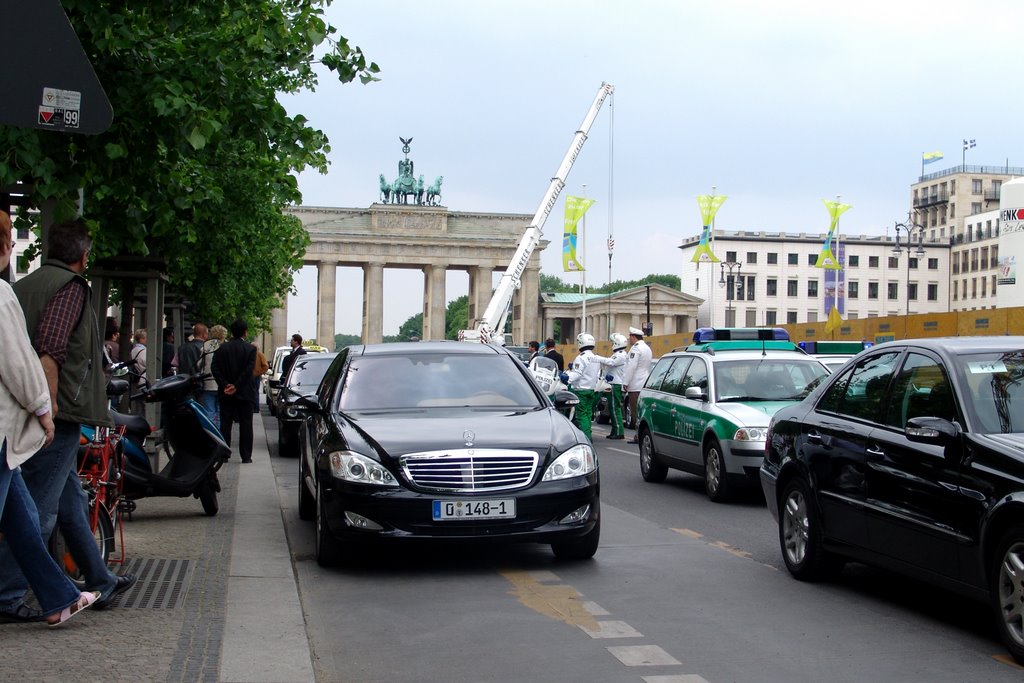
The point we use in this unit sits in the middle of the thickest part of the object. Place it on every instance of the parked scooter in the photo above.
(193, 445)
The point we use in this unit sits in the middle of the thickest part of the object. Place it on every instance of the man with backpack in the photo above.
(190, 351)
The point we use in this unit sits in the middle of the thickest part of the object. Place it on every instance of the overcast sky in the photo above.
(777, 105)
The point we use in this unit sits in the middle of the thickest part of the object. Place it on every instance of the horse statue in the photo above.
(434, 192)
(419, 191)
(385, 189)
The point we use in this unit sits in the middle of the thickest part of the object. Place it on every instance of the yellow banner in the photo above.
(575, 207)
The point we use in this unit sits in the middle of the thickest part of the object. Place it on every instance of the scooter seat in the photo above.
(135, 425)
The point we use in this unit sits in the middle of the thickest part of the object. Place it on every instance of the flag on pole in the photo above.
(575, 207)
(968, 144)
(709, 205)
(834, 322)
(827, 259)
(932, 157)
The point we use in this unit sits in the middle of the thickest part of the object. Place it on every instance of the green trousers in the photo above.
(615, 396)
(585, 410)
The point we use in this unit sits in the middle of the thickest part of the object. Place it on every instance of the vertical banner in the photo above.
(827, 259)
(709, 205)
(575, 207)
(835, 284)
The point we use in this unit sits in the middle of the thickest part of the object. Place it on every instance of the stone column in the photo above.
(669, 325)
(327, 277)
(373, 303)
(279, 332)
(433, 301)
(479, 293)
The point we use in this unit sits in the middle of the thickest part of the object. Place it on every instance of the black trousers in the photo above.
(233, 411)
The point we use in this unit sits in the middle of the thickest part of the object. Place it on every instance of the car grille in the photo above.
(470, 470)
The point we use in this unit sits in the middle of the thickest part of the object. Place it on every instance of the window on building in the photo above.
(773, 258)
(853, 289)
(974, 288)
(984, 286)
(894, 262)
(751, 257)
(751, 317)
(872, 290)
(933, 292)
(790, 317)
(812, 288)
(993, 287)
(913, 264)
(892, 291)
(912, 291)
(773, 286)
(770, 318)
(933, 264)
(993, 257)
(952, 210)
(750, 287)
(853, 261)
(792, 287)
(22, 266)
(956, 290)
(22, 233)
(812, 316)
(730, 256)
(872, 261)
(983, 262)
(975, 185)
(793, 259)
(812, 259)
(975, 207)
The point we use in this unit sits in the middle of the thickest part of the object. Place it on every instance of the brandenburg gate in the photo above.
(429, 238)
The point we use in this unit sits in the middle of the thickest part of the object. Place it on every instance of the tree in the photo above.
(201, 157)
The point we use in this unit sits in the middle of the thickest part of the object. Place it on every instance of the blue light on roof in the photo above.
(709, 334)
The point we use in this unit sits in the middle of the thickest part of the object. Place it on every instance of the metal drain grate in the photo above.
(160, 584)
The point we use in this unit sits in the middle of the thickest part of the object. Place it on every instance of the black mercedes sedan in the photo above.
(303, 380)
(446, 441)
(910, 458)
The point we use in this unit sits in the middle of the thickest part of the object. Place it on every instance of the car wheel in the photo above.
(582, 549)
(716, 478)
(801, 535)
(650, 469)
(307, 503)
(1007, 591)
(328, 549)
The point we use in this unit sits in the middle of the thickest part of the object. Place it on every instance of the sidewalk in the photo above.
(216, 598)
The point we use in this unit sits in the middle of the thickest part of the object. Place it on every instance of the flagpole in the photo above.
(711, 271)
(583, 271)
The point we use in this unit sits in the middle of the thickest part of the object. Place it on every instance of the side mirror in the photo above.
(565, 399)
(305, 404)
(933, 430)
(696, 393)
(275, 383)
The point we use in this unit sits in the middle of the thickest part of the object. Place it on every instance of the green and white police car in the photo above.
(705, 409)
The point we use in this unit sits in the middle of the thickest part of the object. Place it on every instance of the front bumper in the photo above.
(405, 514)
(743, 458)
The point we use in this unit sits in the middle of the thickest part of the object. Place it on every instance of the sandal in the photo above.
(85, 600)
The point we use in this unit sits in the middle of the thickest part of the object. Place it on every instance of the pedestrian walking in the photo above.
(210, 401)
(638, 367)
(233, 364)
(62, 325)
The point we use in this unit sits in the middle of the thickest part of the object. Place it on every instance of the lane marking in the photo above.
(689, 532)
(612, 629)
(643, 655)
(1008, 660)
(683, 678)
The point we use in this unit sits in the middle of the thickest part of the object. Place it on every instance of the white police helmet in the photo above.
(583, 340)
(619, 341)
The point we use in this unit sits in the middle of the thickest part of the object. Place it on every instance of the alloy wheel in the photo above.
(1011, 592)
(795, 527)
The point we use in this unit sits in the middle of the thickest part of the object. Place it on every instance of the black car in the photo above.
(910, 458)
(303, 379)
(449, 441)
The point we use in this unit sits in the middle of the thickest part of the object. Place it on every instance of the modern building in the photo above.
(770, 278)
(961, 204)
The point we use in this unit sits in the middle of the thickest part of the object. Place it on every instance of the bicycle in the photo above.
(101, 470)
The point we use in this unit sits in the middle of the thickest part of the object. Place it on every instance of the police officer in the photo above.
(582, 380)
(638, 367)
(614, 367)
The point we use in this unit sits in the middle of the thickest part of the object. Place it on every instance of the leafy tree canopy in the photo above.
(551, 283)
(201, 157)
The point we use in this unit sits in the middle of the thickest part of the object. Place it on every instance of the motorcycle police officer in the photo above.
(582, 380)
(615, 366)
(638, 367)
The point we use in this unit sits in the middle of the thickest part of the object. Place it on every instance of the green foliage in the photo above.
(343, 340)
(456, 317)
(200, 159)
(411, 329)
(550, 283)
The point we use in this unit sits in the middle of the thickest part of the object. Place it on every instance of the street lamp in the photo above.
(908, 230)
(730, 293)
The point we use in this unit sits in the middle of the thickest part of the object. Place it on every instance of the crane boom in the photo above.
(493, 320)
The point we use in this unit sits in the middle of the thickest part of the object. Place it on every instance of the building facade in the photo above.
(773, 280)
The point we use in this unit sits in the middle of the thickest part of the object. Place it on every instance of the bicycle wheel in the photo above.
(104, 535)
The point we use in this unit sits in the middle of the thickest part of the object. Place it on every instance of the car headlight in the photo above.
(750, 434)
(575, 462)
(358, 468)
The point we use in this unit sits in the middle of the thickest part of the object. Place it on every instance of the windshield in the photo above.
(996, 403)
(436, 380)
(307, 372)
(767, 379)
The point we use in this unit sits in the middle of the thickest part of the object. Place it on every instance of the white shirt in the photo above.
(585, 370)
(616, 366)
(638, 367)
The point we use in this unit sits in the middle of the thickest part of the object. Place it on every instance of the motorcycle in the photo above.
(194, 446)
(545, 374)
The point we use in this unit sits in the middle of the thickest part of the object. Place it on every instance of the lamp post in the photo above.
(730, 292)
(908, 230)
